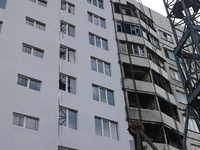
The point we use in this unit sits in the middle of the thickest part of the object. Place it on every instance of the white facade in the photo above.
(44, 104)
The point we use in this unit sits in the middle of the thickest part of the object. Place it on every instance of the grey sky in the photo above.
(156, 5)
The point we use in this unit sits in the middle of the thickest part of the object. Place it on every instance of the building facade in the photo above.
(81, 71)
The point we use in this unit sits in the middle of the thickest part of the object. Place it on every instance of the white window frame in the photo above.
(97, 3)
(37, 2)
(106, 94)
(28, 81)
(132, 47)
(67, 28)
(35, 22)
(175, 74)
(67, 7)
(32, 49)
(168, 53)
(191, 124)
(66, 84)
(182, 96)
(99, 19)
(67, 49)
(98, 60)
(109, 124)
(166, 36)
(194, 147)
(24, 121)
(101, 41)
(67, 117)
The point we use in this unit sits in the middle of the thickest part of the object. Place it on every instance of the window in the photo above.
(64, 26)
(151, 38)
(25, 121)
(3, 4)
(128, 28)
(103, 95)
(67, 54)
(106, 128)
(100, 66)
(194, 147)
(63, 148)
(35, 24)
(98, 3)
(29, 82)
(169, 54)
(67, 7)
(129, 10)
(165, 36)
(132, 48)
(71, 83)
(175, 75)
(97, 20)
(68, 118)
(181, 97)
(98, 41)
(40, 2)
(32, 50)
(0, 25)
(147, 20)
(192, 124)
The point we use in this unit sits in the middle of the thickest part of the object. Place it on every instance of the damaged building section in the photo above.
(149, 89)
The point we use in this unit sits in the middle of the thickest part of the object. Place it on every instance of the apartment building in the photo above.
(73, 71)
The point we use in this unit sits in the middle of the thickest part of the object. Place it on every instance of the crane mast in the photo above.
(184, 17)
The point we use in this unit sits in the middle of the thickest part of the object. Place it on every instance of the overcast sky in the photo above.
(156, 5)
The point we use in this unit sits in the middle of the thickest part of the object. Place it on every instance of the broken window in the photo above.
(129, 28)
(165, 36)
(175, 75)
(169, 54)
(140, 73)
(161, 82)
(128, 9)
(168, 109)
(146, 101)
(67, 53)
(154, 132)
(147, 20)
(173, 138)
(153, 40)
(71, 84)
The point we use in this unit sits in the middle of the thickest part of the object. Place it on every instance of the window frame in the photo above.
(67, 49)
(25, 121)
(67, 78)
(67, 117)
(66, 31)
(180, 96)
(97, 3)
(39, 2)
(174, 74)
(110, 129)
(104, 68)
(102, 40)
(35, 23)
(67, 7)
(168, 55)
(32, 48)
(92, 16)
(106, 94)
(28, 82)
(165, 36)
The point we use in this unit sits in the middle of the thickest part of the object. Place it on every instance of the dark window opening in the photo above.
(128, 9)
(173, 138)
(161, 82)
(168, 109)
(147, 20)
(154, 132)
(146, 101)
(140, 73)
